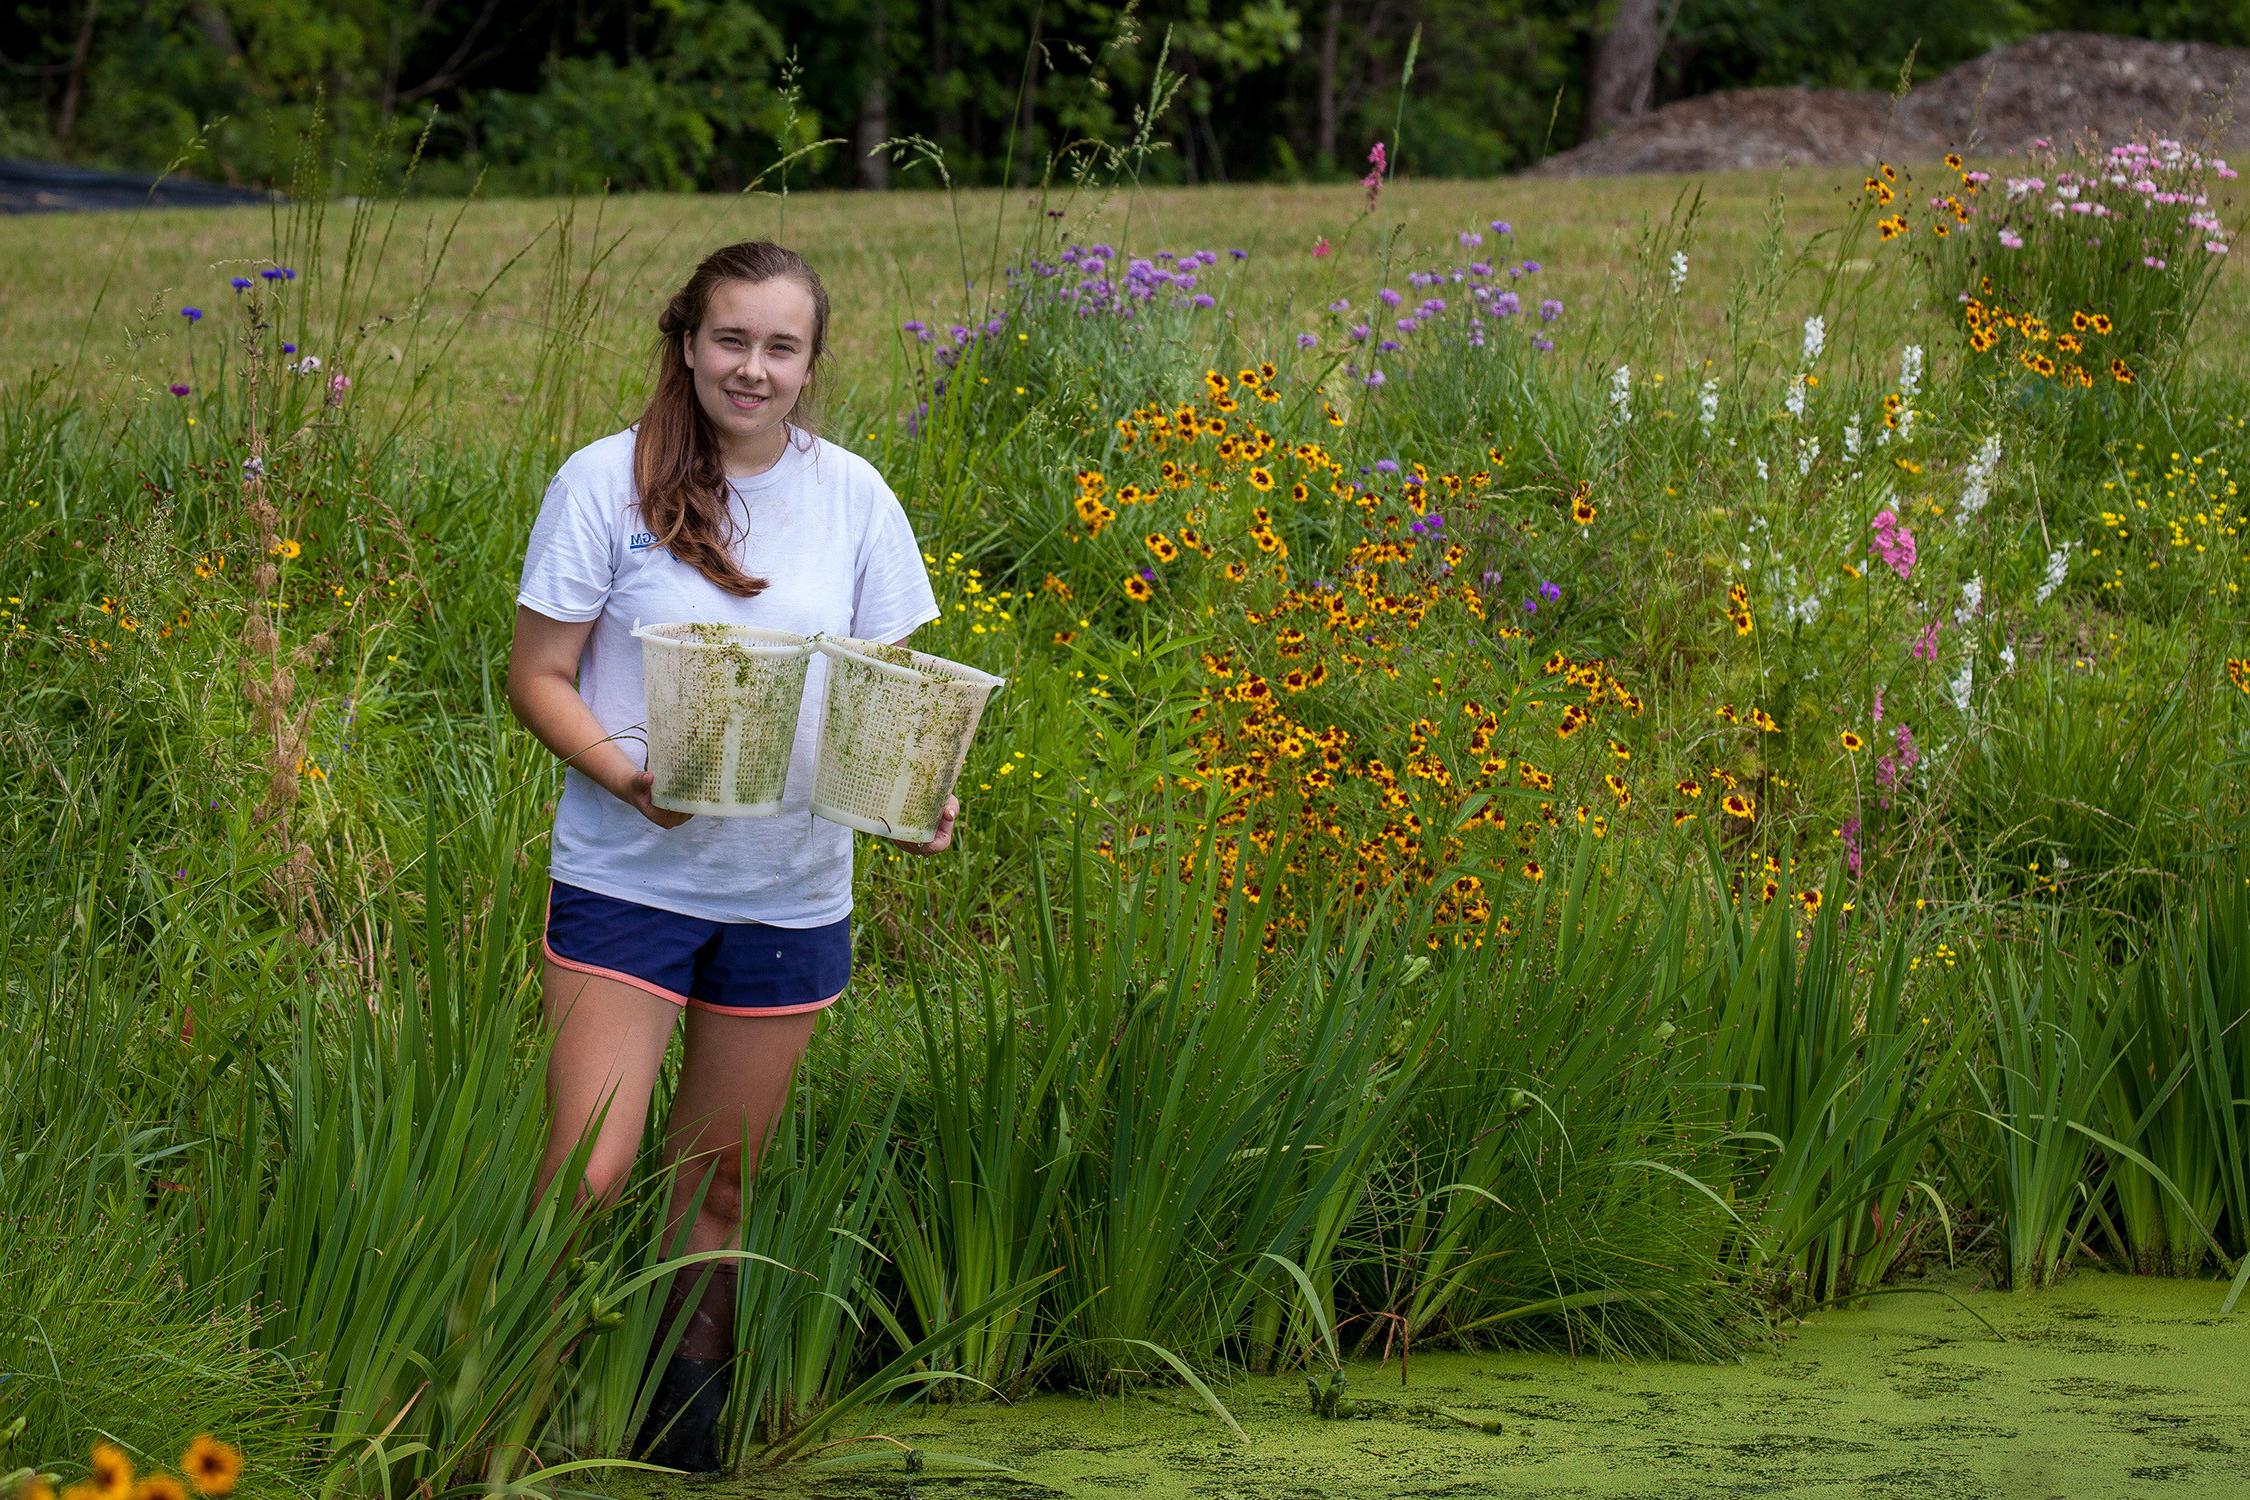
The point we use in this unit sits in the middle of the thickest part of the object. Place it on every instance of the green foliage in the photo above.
(1123, 1097)
(549, 98)
(1835, 1089)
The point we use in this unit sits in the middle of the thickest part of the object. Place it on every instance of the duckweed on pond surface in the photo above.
(2106, 1386)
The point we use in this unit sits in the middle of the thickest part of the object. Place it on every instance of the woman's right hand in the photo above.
(637, 790)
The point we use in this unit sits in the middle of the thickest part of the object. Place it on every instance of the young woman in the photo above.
(723, 504)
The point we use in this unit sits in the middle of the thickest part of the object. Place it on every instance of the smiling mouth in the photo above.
(746, 403)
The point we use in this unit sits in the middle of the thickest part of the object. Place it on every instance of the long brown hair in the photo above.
(677, 465)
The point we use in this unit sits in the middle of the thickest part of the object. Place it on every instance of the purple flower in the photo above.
(1360, 332)
(1239, 254)
(1530, 266)
(1204, 299)
(242, 283)
(279, 273)
(178, 389)
(1550, 591)
(917, 327)
(1390, 298)
(1374, 378)
(1386, 466)
(1340, 305)
(1500, 226)
(289, 348)
(1531, 606)
(1550, 308)
(192, 314)
(1149, 574)
(1490, 577)
(1387, 346)
(1542, 344)
(1307, 340)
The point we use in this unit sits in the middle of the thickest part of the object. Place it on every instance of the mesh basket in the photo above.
(722, 715)
(893, 735)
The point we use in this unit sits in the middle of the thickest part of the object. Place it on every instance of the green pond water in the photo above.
(2104, 1386)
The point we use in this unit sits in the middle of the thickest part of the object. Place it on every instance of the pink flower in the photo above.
(2011, 240)
(1320, 246)
(1377, 163)
(2216, 247)
(1925, 646)
(1893, 543)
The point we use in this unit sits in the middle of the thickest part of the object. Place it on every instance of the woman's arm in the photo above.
(543, 691)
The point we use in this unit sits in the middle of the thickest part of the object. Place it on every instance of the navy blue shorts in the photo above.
(731, 966)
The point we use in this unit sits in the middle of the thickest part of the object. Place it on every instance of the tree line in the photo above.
(542, 96)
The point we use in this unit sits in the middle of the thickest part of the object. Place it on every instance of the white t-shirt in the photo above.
(838, 555)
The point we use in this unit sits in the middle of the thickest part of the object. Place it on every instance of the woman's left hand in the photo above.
(941, 838)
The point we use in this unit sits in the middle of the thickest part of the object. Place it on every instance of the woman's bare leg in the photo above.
(734, 1083)
(609, 1046)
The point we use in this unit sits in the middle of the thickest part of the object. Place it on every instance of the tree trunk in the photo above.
(941, 69)
(67, 115)
(1623, 73)
(1024, 173)
(1331, 29)
(875, 108)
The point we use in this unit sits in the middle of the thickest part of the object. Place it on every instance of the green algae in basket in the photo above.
(896, 730)
(722, 715)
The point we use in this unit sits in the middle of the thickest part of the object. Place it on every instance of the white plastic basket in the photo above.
(893, 735)
(722, 714)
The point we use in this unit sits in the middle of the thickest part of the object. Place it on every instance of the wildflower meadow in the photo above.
(1594, 776)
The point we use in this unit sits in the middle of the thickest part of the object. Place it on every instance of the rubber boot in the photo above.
(690, 1395)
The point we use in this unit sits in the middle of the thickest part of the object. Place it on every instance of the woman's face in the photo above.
(751, 357)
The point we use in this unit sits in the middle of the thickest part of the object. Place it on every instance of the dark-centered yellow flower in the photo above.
(211, 1465)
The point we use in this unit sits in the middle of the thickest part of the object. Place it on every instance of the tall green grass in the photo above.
(270, 1034)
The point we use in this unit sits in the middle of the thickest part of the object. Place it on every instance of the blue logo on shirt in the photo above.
(641, 541)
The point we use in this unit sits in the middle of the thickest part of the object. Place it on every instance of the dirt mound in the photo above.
(2053, 86)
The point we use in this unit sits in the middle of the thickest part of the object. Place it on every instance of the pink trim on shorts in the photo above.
(766, 1010)
(658, 990)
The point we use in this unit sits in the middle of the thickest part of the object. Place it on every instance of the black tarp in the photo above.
(32, 187)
